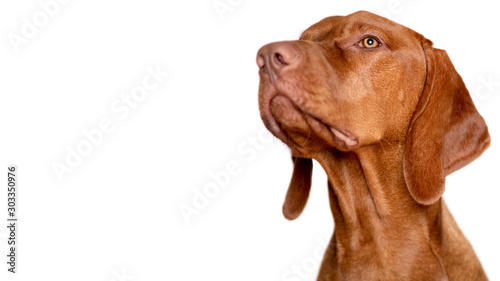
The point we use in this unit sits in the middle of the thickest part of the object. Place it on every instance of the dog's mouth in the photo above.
(300, 128)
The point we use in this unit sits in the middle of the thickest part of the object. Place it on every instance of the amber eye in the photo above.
(370, 42)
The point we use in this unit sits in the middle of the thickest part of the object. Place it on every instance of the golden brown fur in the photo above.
(387, 124)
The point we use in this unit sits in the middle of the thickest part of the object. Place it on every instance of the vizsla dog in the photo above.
(388, 118)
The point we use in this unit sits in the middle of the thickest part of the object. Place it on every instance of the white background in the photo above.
(116, 215)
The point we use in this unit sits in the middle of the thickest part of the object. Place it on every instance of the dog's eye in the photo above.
(369, 42)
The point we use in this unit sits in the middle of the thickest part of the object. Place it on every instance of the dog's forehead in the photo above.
(364, 22)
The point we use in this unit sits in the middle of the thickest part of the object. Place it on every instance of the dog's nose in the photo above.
(277, 56)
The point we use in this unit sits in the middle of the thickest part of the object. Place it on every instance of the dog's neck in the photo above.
(371, 204)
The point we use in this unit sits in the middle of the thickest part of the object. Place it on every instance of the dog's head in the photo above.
(354, 81)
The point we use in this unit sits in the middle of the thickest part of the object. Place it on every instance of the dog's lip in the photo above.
(339, 136)
(346, 137)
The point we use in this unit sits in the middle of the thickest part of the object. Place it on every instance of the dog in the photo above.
(388, 117)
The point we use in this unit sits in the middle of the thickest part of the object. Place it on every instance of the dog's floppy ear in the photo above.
(300, 185)
(446, 132)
